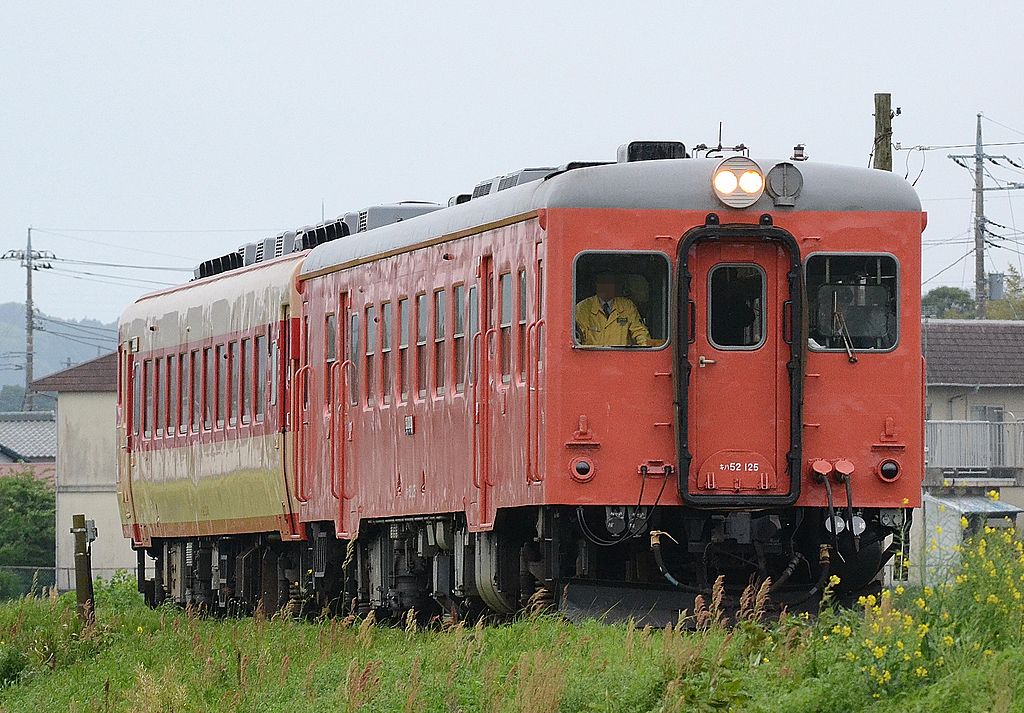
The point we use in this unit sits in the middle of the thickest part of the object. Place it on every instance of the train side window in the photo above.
(403, 349)
(331, 338)
(371, 342)
(621, 300)
(385, 352)
(260, 347)
(505, 311)
(136, 399)
(736, 306)
(234, 381)
(353, 357)
(422, 319)
(159, 390)
(244, 385)
(521, 325)
(440, 316)
(459, 337)
(474, 326)
(197, 390)
(173, 396)
(208, 393)
(275, 367)
(853, 302)
(184, 392)
(147, 398)
(221, 379)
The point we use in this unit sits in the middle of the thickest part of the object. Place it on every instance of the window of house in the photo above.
(440, 316)
(736, 304)
(459, 337)
(621, 300)
(853, 302)
(403, 348)
(422, 319)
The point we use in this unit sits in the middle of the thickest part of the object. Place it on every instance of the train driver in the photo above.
(607, 320)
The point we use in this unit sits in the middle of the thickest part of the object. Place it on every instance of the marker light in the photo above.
(725, 181)
(738, 172)
(751, 182)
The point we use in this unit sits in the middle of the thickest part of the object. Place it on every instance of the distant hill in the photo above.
(58, 342)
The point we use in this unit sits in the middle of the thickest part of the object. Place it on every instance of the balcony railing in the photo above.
(974, 444)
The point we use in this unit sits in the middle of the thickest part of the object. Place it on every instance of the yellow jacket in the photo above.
(623, 327)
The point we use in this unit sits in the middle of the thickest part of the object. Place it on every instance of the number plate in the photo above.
(736, 471)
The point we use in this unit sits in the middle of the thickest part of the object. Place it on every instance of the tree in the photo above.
(1012, 304)
(948, 303)
(27, 510)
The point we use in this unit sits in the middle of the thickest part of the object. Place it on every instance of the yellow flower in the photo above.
(920, 603)
(992, 599)
(928, 591)
(899, 644)
(886, 676)
(834, 580)
(993, 494)
(139, 630)
(850, 656)
(846, 630)
(987, 652)
(879, 651)
(922, 630)
(964, 523)
(947, 640)
(921, 671)
(900, 589)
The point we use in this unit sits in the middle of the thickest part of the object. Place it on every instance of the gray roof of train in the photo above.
(680, 184)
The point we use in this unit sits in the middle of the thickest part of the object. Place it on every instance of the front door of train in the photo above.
(738, 320)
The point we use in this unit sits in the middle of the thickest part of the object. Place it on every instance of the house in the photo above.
(974, 436)
(28, 443)
(86, 477)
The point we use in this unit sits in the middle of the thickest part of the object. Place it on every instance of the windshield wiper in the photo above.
(839, 325)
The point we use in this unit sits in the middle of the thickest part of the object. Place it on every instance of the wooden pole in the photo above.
(883, 132)
(83, 572)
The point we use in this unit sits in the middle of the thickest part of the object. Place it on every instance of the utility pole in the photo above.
(28, 401)
(980, 222)
(30, 261)
(882, 150)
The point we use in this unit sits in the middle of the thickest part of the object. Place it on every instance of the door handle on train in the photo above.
(704, 361)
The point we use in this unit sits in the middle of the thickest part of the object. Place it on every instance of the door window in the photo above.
(736, 298)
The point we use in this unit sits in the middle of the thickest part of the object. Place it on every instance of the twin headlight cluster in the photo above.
(738, 182)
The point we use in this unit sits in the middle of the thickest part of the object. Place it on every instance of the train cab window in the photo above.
(852, 302)
(403, 349)
(459, 337)
(440, 315)
(621, 300)
(371, 342)
(260, 346)
(736, 297)
(244, 387)
(385, 352)
(421, 344)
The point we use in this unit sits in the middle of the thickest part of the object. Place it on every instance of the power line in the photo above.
(104, 332)
(112, 245)
(71, 261)
(79, 341)
(164, 230)
(73, 276)
(116, 277)
(949, 266)
(999, 123)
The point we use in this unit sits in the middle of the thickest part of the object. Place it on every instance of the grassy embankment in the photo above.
(958, 647)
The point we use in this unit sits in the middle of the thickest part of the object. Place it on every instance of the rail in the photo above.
(974, 444)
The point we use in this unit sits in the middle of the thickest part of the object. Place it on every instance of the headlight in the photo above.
(738, 182)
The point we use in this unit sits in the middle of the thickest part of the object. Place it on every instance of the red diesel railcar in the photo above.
(598, 385)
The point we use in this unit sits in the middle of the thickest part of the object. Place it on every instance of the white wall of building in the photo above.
(87, 483)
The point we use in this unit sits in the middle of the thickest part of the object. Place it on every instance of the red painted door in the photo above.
(738, 405)
(484, 393)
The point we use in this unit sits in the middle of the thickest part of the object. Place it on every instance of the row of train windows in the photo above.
(439, 327)
(204, 388)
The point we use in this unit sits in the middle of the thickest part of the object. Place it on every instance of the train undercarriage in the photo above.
(614, 562)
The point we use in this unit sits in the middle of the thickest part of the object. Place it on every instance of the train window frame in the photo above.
(245, 381)
(422, 360)
(209, 386)
(387, 338)
(354, 357)
(136, 396)
(185, 393)
(196, 406)
(173, 395)
(669, 300)
(506, 291)
(523, 307)
(897, 292)
(147, 398)
(404, 333)
(440, 311)
(160, 397)
(234, 382)
(709, 309)
(370, 352)
(459, 337)
(262, 353)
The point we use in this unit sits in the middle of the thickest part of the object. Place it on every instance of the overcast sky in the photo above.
(120, 120)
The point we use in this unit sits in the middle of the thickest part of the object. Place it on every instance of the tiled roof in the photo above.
(969, 352)
(28, 435)
(100, 374)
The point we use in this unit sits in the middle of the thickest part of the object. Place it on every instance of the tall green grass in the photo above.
(957, 647)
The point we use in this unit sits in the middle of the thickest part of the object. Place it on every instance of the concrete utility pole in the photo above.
(882, 150)
(980, 222)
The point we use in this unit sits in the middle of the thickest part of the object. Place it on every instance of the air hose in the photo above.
(656, 536)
